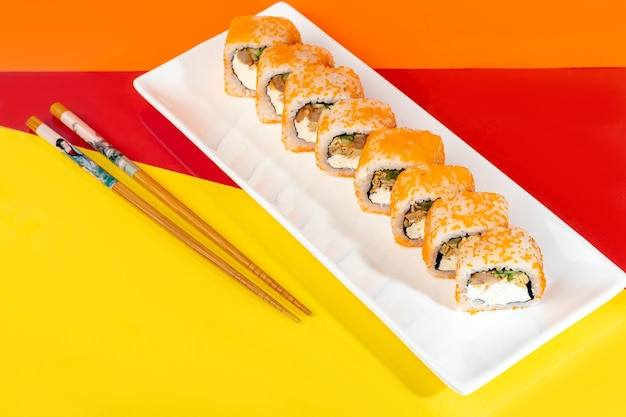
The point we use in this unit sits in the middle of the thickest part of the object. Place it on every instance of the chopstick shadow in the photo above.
(176, 144)
(364, 325)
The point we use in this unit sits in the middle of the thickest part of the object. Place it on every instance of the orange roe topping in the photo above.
(258, 29)
(416, 147)
(319, 82)
(296, 55)
(504, 247)
(354, 112)
(466, 212)
(433, 180)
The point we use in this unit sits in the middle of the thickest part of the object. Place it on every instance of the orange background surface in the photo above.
(141, 34)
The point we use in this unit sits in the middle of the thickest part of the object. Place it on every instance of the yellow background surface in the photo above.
(104, 314)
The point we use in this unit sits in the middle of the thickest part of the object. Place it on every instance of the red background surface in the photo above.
(558, 133)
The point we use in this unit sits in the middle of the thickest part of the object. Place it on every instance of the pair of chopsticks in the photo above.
(69, 119)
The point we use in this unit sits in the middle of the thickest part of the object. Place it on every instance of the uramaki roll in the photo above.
(453, 218)
(414, 192)
(500, 269)
(343, 130)
(310, 90)
(273, 69)
(246, 39)
(386, 153)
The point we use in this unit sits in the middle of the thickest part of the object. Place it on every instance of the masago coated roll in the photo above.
(501, 268)
(273, 69)
(386, 153)
(310, 90)
(246, 39)
(453, 218)
(343, 130)
(414, 192)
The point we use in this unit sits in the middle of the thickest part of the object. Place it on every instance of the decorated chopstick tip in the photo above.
(57, 109)
(33, 123)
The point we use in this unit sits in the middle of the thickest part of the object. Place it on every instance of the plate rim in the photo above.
(142, 85)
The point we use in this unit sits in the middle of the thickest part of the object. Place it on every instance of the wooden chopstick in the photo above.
(89, 135)
(61, 144)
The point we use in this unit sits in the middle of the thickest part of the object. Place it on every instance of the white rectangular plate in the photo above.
(465, 351)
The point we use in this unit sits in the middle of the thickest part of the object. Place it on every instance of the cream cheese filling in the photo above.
(343, 161)
(498, 292)
(245, 73)
(306, 130)
(416, 230)
(276, 98)
(381, 196)
(448, 263)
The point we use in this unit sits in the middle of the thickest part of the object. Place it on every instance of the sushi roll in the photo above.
(246, 39)
(343, 130)
(273, 69)
(386, 153)
(310, 90)
(500, 269)
(414, 192)
(453, 218)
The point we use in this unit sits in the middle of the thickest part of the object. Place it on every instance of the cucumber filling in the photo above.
(306, 120)
(447, 255)
(245, 65)
(415, 218)
(382, 183)
(344, 151)
(275, 89)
